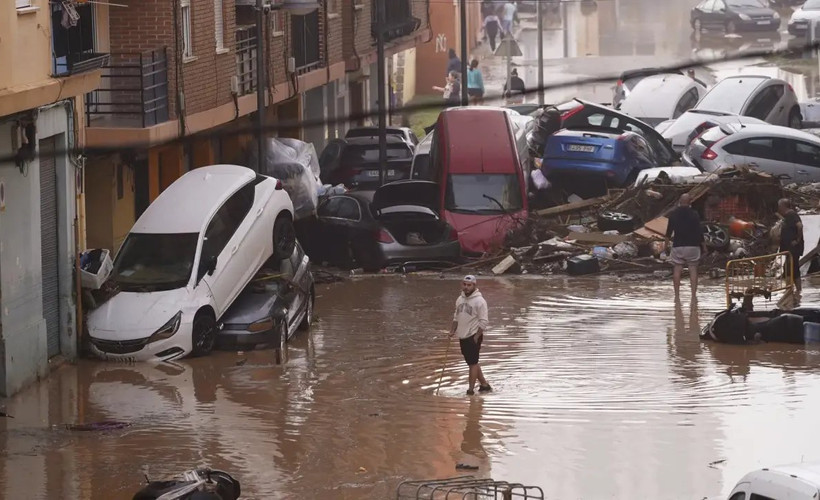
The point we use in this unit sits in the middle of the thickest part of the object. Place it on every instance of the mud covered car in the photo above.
(396, 224)
(272, 307)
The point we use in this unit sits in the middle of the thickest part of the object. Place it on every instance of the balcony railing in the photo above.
(133, 92)
(398, 20)
(307, 42)
(246, 59)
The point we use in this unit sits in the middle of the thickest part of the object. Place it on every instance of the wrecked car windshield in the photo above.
(730, 95)
(153, 262)
(354, 154)
(482, 193)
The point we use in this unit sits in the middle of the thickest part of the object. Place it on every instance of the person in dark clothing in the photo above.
(791, 238)
(451, 92)
(453, 62)
(492, 26)
(687, 240)
(517, 88)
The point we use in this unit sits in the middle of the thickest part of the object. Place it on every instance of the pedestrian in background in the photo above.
(492, 25)
(791, 238)
(507, 17)
(686, 242)
(470, 321)
(475, 83)
(515, 94)
(453, 62)
(451, 92)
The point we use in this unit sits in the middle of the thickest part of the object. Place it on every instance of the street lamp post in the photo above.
(260, 84)
(540, 25)
(382, 83)
(463, 19)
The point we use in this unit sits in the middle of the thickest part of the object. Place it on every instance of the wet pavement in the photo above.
(602, 390)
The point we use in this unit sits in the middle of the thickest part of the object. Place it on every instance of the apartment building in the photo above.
(47, 69)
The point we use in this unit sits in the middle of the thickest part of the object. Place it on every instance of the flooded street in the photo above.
(601, 390)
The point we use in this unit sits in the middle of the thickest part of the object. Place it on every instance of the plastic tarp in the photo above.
(296, 164)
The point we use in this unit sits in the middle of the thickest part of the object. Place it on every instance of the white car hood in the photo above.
(131, 315)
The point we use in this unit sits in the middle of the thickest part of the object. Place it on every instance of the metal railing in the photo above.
(398, 20)
(133, 93)
(246, 46)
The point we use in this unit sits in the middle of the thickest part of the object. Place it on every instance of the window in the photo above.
(806, 154)
(755, 496)
(356, 154)
(225, 223)
(277, 22)
(483, 193)
(341, 207)
(187, 46)
(763, 103)
(333, 6)
(686, 102)
(219, 26)
(763, 147)
(739, 496)
(22, 4)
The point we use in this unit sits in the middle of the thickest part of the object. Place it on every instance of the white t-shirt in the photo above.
(509, 11)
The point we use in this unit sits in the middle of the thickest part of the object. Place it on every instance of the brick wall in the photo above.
(148, 24)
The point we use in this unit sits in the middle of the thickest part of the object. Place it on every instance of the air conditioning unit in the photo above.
(291, 65)
(234, 84)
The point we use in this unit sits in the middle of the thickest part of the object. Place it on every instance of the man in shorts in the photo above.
(469, 323)
(687, 240)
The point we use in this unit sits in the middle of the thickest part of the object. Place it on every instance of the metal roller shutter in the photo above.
(49, 244)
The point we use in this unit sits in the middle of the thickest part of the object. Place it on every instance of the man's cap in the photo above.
(469, 279)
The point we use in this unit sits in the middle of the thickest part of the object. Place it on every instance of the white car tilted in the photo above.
(185, 261)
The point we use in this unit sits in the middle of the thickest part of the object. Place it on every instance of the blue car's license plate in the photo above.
(581, 148)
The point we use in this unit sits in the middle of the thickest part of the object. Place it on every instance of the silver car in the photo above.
(762, 97)
(680, 132)
(659, 98)
(802, 17)
(791, 154)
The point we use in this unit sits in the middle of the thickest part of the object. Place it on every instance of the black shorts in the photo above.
(470, 349)
(475, 93)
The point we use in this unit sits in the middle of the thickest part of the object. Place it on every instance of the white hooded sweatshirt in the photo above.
(471, 314)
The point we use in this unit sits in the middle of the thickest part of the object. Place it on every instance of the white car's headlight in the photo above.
(744, 17)
(167, 330)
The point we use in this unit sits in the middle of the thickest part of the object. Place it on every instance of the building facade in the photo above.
(42, 85)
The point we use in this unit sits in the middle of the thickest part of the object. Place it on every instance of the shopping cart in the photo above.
(466, 488)
(759, 276)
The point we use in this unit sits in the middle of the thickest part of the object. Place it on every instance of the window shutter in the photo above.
(23, 3)
(219, 25)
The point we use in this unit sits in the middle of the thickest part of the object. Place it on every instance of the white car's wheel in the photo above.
(203, 334)
(284, 237)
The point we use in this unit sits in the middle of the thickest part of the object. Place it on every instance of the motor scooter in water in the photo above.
(197, 484)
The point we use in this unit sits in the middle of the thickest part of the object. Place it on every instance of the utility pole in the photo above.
(540, 15)
(260, 84)
(463, 10)
(380, 18)
(565, 24)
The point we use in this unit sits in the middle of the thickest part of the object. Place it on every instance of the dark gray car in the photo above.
(272, 307)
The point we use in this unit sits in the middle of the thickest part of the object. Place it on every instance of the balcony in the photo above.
(73, 41)
(133, 93)
(246, 59)
(307, 42)
(399, 20)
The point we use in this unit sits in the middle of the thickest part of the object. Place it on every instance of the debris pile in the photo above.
(624, 231)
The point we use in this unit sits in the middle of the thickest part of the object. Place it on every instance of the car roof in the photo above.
(804, 477)
(189, 203)
(633, 73)
(656, 96)
(773, 130)
(373, 139)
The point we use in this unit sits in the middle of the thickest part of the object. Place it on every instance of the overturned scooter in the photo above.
(198, 484)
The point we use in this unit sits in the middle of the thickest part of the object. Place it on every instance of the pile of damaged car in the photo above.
(189, 270)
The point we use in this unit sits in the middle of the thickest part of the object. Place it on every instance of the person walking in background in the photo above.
(507, 17)
(451, 92)
(687, 240)
(470, 321)
(791, 238)
(453, 62)
(475, 83)
(492, 25)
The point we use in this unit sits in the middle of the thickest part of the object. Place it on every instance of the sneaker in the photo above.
(470, 392)
(485, 388)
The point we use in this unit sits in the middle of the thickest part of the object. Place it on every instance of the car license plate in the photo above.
(763, 22)
(581, 148)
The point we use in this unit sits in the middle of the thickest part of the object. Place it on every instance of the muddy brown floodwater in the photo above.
(602, 390)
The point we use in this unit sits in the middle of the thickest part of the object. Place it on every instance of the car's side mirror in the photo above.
(210, 265)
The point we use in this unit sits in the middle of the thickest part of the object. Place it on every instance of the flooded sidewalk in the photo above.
(602, 389)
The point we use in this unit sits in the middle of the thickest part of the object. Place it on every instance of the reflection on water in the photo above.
(602, 388)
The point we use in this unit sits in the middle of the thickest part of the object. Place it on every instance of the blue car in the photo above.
(587, 161)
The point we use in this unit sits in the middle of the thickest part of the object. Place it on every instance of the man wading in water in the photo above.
(687, 240)
(469, 323)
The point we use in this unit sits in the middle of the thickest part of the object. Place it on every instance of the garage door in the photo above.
(49, 244)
